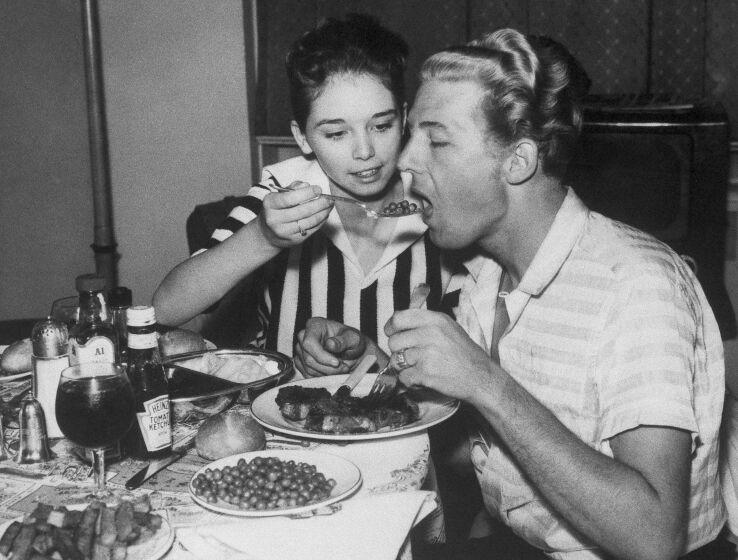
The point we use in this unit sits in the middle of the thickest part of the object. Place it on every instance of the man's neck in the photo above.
(532, 212)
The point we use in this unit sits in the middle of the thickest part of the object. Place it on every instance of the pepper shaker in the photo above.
(50, 342)
(33, 443)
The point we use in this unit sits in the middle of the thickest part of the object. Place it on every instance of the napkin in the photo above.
(372, 527)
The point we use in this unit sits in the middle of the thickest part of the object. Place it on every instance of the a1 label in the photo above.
(154, 423)
(97, 349)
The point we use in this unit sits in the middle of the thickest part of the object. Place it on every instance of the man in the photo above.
(585, 349)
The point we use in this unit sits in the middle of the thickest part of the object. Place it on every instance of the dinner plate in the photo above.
(153, 549)
(434, 409)
(346, 474)
(15, 376)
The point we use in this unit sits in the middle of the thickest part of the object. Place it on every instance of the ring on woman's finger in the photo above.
(302, 232)
(401, 361)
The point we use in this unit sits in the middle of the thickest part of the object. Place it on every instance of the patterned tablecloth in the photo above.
(387, 465)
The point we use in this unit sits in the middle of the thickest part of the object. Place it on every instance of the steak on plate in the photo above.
(294, 401)
(343, 413)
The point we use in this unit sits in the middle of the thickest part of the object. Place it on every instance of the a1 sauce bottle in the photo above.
(151, 434)
(93, 338)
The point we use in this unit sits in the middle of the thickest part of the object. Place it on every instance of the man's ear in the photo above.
(522, 162)
(300, 138)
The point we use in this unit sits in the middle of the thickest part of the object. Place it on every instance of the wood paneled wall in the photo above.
(685, 49)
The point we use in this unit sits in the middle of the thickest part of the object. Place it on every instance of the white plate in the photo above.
(434, 409)
(15, 376)
(153, 549)
(346, 474)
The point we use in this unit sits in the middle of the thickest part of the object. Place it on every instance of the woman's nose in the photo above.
(363, 147)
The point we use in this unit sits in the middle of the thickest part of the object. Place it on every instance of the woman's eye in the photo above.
(384, 127)
(335, 135)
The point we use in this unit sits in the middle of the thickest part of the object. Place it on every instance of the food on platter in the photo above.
(239, 368)
(180, 341)
(263, 483)
(204, 383)
(228, 433)
(96, 532)
(16, 358)
(343, 413)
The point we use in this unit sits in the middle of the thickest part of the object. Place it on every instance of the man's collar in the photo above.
(558, 243)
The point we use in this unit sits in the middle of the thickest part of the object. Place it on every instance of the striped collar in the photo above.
(407, 230)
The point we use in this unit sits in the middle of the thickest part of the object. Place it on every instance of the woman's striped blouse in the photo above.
(322, 277)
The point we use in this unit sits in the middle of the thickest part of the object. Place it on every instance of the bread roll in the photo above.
(17, 357)
(228, 433)
(180, 341)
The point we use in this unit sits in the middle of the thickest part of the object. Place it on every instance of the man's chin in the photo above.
(448, 238)
(443, 241)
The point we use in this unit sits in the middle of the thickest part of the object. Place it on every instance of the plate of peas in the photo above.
(274, 482)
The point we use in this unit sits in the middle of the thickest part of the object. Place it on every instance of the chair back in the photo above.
(230, 323)
(203, 220)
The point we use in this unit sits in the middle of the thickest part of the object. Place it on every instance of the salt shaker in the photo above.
(50, 342)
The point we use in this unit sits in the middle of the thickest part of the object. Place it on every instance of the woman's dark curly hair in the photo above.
(356, 45)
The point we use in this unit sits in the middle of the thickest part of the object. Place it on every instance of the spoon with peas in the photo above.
(392, 210)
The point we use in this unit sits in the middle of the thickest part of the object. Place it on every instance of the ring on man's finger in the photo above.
(400, 359)
(302, 232)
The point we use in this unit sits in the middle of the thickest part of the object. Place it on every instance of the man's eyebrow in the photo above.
(432, 124)
(387, 113)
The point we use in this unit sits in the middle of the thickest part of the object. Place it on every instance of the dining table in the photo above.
(374, 523)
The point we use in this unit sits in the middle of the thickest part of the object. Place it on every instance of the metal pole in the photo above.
(104, 244)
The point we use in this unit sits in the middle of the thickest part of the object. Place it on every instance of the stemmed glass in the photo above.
(95, 407)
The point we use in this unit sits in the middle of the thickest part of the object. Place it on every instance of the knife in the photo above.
(154, 467)
(359, 371)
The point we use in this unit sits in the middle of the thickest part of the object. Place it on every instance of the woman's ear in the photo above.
(300, 138)
(522, 163)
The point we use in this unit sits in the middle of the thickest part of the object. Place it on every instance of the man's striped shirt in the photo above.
(610, 330)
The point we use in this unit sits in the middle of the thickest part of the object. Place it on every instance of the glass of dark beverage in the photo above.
(95, 407)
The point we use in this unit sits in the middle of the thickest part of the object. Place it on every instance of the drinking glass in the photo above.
(95, 407)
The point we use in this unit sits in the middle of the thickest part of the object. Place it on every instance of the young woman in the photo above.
(308, 255)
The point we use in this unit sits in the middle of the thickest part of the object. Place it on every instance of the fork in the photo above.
(386, 382)
(369, 211)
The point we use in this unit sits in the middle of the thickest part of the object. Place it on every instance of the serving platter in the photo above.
(434, 408)
(229, 370)
(15, 376)
(346, 474)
